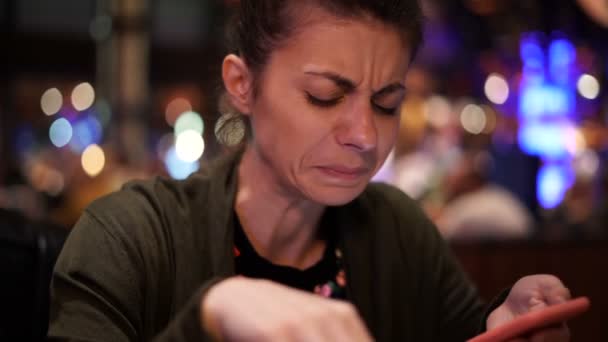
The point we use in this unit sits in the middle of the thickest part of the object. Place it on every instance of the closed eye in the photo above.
(327, 103)
(323, 102)
(385, 110)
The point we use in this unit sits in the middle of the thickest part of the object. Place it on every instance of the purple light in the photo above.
(87, 131)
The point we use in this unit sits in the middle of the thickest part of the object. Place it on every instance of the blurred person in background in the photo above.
(476, 209)
(320, 254)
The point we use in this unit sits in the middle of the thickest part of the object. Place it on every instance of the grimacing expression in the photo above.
(327, 112)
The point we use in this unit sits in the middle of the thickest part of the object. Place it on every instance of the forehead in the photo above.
(362, 49)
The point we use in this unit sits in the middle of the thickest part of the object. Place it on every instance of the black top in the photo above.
(138, 264)
(323, 278)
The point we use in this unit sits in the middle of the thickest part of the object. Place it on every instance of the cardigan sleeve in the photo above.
(98, 292)
(462, 314)
(449, 301)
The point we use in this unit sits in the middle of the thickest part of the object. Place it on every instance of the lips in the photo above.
(344, 172)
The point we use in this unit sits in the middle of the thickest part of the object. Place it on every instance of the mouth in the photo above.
(344, 173)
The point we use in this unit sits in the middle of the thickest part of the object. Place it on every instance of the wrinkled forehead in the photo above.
(358, 49)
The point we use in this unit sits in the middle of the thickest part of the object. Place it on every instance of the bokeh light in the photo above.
(545, 100)
(93, 160)
(496, 89)
(60, 132)
(553, 181)
(548, 140)
(587, 164)
(188, 121)
(588, 86)
(575, 142)
(189, 145)
(51, 101)
(176, 108)
(165, 143)
(437, 111)
(562, 55)
(83, 96)
(87, 131)
(473, 119)
(177, 168)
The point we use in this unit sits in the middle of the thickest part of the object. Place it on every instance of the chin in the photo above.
(335, 196)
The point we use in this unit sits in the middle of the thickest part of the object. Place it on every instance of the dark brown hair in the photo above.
(258, 27)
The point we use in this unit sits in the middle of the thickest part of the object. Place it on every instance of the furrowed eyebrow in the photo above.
(389, 89)
(341, 81)
(348, 85)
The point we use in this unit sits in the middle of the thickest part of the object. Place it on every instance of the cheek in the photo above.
(287, 131)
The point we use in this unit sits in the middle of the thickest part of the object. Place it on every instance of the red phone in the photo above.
(531, 321)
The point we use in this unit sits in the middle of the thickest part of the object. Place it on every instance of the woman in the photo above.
(319, 84)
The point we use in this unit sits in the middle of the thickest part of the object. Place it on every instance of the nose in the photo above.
(357, 129)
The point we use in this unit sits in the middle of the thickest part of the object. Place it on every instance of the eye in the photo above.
(385, 110)
(323, 102)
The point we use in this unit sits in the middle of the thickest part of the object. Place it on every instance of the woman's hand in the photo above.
(243, 309)
(529, 294)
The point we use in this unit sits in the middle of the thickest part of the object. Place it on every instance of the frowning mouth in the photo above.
(344, 172)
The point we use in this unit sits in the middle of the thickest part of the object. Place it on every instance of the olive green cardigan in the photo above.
(137, 263)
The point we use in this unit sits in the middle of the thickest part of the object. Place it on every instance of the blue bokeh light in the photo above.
(531, 52)
(562, 56)
(552, 183)
(544, 101)
(177, 168)
(544, 139)
(87, 131)
(60, 132)
(547, 108)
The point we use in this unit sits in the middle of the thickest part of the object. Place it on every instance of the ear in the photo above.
(238, 81)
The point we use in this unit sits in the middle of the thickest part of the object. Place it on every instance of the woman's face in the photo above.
(327, 112)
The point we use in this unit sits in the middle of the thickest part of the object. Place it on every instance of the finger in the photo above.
(553, 290)
(558, 295)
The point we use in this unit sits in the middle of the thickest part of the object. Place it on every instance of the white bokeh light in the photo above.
(588, 86)
(473, 119)
(51, 101)
(189, 121)
(189, 146)
(437, 111)
(496, 89)
(83, 96)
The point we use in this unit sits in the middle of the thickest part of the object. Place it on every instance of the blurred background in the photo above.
(504, 133)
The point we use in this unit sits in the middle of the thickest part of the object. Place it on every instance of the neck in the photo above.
(281, 225)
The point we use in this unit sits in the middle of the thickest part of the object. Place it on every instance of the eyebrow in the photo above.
(349, 85)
